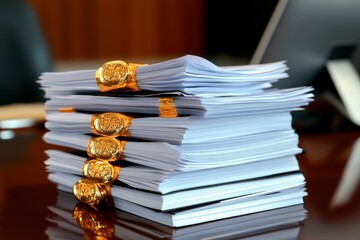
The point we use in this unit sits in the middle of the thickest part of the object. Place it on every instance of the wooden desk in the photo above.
(26, 194)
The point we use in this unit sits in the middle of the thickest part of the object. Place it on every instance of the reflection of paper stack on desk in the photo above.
(222, 147)
(274, 224)
(350, 178)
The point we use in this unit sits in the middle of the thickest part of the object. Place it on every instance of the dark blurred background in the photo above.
(93, 29)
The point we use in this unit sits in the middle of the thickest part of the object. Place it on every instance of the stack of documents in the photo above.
(186, 141)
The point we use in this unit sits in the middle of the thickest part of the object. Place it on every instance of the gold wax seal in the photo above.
(105, 148)
(100, 171)
(110, 124)
(167, 108)
(117, 75)
(89, 192)
(96, 223)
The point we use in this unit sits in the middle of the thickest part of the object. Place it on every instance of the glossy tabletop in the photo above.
(330, 163)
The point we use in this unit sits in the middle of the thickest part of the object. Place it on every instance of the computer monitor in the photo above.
(313, 35)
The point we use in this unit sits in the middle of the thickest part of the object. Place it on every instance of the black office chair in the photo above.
(23, 53)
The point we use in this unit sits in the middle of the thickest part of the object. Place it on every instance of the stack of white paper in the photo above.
(190, 74)
(179, 130)
(230, 150)
(269, 101)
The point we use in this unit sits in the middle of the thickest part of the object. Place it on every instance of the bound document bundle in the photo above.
(179, 142)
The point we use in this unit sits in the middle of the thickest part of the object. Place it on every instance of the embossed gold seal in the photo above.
(117, 75)
(105, 148)
(167, 108)
(89, 192)
(100, 171)
(110, 124)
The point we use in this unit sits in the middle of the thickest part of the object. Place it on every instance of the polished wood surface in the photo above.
(327, 162)
(92, 29)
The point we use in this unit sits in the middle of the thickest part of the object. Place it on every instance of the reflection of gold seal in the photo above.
(110, 124)
(117, 75)
(105, 148)
(96, 223)
(89, 192)
(100, 171)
